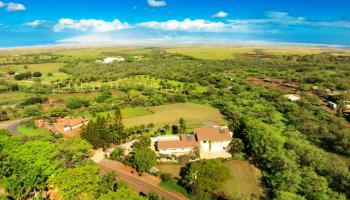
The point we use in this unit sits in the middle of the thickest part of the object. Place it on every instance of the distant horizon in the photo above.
(232, 44)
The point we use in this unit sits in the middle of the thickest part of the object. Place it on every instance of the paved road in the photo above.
(12, 125)
(138, 184)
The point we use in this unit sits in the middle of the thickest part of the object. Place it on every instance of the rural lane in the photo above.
(12, 125)
(139, 184)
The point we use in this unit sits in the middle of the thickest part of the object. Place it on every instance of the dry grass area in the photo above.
(245, 179)
(195, 115)
(173, 169)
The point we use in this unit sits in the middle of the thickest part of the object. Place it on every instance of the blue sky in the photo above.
(153, 22)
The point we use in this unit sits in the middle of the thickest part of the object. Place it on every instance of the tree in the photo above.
(204, 176)
(105, 95)
(96, 133)
(182, 126)
(116, 153)
(77, 183)
(142, 158)
(122, 193)
(116, 127)
(108, 183)
(72, 152)
(236, 146)
(26, 169)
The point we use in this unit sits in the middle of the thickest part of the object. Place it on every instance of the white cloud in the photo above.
(36, 23)
(91, 25)
(220, 14)
(285, 19)
(198, 25)
(12, 7)
(156, 3)
(2, 4)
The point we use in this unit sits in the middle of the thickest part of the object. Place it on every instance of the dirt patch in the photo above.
(273, 83)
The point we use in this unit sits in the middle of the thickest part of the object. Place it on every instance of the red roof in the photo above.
(214, 134)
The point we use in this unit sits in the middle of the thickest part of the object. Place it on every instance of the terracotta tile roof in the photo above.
(213, 134)
(185, 141)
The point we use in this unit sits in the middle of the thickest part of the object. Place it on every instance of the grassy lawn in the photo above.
(28, 130)
(244, 181)
(195, 115)
(135, 112)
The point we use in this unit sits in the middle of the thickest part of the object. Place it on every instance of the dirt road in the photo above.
(12, 125)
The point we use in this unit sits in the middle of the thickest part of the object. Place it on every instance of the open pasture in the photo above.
(44, 69)
(195, 115)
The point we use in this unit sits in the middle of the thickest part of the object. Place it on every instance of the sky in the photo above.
(155, 22)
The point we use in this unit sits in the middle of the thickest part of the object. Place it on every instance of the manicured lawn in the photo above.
(245, 179)
(195, 115)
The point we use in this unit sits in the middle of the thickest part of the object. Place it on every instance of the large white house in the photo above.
(213, 139)
(206, 140)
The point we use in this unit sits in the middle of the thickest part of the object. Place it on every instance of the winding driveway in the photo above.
(12, 125)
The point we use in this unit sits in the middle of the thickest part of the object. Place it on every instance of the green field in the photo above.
(195, 115)
(44, 69)
(28, 130)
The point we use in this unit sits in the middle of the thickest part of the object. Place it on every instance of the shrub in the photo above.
(32, 111)
(37, 74)
(75, 103)
(165, 177)
(116, 153)
(58, 111)
(23, 75)
(33, 100)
